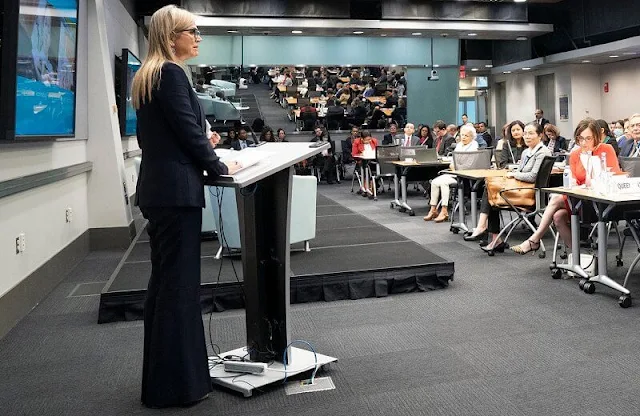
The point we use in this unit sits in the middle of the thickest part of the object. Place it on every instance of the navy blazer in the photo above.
(628, 148)
(175, 149)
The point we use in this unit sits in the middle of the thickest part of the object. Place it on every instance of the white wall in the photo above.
(521, 96)
(624, 86)
(586, 97)
(41, 215)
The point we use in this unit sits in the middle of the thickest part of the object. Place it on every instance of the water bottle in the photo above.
(567, 177)
(604, 176)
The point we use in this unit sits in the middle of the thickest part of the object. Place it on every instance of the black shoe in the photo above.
(497, 249)
(484, 243)
(471, 237)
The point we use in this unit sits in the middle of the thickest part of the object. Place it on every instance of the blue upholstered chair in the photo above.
(228, 88)
(303, 214)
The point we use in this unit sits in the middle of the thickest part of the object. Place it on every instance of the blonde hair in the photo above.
(164, 26)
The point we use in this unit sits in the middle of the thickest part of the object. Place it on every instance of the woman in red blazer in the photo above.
(361, 143)
(588, 137)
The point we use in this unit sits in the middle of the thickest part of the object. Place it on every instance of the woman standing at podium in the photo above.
(170, 193)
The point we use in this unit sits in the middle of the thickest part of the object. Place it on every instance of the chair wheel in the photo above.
(563, 256)
(589, 288)
(624, 301)
(454, 230)
(581, 283)
(391, 205)
(556, 274)
(619, 263)
(542, 254)
(412, 214)
(403, 209)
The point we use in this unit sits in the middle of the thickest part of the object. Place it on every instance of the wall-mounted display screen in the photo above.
(45, 68)
(129, 65)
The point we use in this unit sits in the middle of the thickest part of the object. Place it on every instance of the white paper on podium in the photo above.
(247, 157)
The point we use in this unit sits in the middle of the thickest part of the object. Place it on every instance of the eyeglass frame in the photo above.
(195, 32)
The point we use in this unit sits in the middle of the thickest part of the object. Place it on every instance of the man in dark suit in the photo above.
(242, 142)
(445, 143)
(540, 118)
(408, 138)
(390, 138)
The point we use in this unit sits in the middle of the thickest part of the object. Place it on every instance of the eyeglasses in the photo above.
(581, 139)
(195, 32)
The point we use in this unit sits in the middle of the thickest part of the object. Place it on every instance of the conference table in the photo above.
(403, 168)
(603, 204)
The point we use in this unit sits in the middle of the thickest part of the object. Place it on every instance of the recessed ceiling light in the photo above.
(521, 38)
(436, 66)
(506, 72)
(383, 34)
(472, 34)
(474, 69)
(526, 68)
(232, 31)
(488, 66)
(586, 61)
(296, 32)
(358, 32)
(519, 1)
(417, 33)
(614, 56)
(630, 53)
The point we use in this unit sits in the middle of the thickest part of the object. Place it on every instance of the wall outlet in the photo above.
(69, 215)
(21, 243)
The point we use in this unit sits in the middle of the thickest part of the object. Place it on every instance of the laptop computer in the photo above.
(420, 154)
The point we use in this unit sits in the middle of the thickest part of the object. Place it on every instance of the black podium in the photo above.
(263, 195)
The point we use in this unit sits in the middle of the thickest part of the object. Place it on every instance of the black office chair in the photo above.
(307, 121)
(334, 121)
(527, 214)
(384, 168)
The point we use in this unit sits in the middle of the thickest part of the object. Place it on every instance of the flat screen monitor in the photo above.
(126, 68)
(45, 93)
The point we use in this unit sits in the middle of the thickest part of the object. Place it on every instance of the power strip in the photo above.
(244, 367)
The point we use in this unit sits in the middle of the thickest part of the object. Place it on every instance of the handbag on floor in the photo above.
(517, 197)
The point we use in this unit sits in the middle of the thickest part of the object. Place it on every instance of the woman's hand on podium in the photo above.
(233, 166)
(214, 139)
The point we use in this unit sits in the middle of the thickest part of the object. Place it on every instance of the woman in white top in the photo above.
(441, 184)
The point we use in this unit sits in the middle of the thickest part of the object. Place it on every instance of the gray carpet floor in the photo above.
(503, 339)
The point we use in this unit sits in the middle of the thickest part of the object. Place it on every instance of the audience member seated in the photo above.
(552, 139)
(630, 144)
(357, 114)
(606, 136)
(257, 125)
(281, 136)
(581, 160)
(370, 90)
(200, 86)
(390, 138)
(399, 114)
(325, 161)
(425, 138)
(444, 142)
(513, 146)
(486, 136)
(378, 119)
(441, 184)
(231, 136)
(267, 135)
(408, 138)
(364, 145)
(527, 171)
(618, 129)
(241, 142)
(391, 99)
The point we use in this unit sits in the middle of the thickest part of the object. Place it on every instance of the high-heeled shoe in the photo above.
(533, 246)
(476, 237)
(496, 249)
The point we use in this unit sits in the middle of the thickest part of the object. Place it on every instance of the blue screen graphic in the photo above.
(133, 64)
(45, 95)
